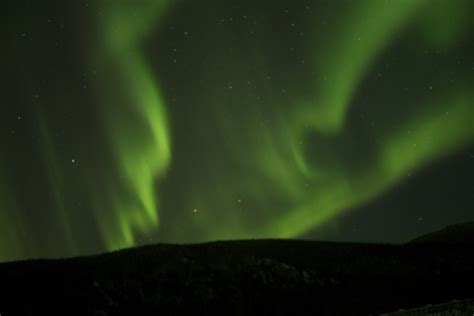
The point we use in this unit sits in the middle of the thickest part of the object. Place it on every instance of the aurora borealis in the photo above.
(132, 122)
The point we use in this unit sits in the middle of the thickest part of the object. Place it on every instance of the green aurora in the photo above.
(232, 120)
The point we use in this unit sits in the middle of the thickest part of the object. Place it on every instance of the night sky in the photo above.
(125, 123)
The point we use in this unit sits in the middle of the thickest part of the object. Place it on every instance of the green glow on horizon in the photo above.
(9, 241)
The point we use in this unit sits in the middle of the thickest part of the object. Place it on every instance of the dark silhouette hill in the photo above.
(453, 234)
(248, 277)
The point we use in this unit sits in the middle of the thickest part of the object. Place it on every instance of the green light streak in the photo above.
(347, 54)
(254, 161)
(13, 235)
(136, 121)
(315, 194)
(57, 182)
(448, 127)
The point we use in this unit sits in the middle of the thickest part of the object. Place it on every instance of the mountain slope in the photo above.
(278, 277)
(453, 234)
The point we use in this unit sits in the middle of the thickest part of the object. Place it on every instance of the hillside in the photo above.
(453, 234)
(277, 277)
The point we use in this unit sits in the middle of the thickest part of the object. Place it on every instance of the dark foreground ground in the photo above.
(264, 277)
